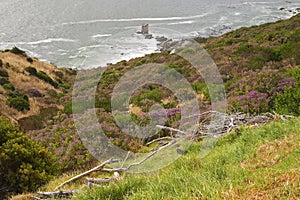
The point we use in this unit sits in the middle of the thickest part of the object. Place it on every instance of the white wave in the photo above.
(223, 18)
(136, 19)
(101, 35)
(182, 22)
(49, 40)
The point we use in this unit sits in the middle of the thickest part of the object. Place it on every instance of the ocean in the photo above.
(92, 33)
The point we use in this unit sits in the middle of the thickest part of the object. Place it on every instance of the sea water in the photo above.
(92, 33)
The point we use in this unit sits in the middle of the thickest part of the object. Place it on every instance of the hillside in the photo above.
(31, 88)
(260, 69)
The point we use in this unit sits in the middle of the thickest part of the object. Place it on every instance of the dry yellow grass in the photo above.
(22, 81)
(22, 197)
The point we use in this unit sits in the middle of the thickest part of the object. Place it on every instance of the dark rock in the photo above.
(148, 36)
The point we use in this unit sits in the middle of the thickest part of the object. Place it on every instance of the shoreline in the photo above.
(161, 42)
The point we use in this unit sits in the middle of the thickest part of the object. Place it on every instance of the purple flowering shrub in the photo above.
(256, 91)
(64, 143)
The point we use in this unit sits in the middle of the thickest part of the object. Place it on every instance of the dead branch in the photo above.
(122, 169)
(100, 180)
(152, 154)
(158, 139)
(171, 129)
(99, 167)
(59, 193)
(36, 198)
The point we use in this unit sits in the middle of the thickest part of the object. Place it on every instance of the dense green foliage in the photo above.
(20, 103)
(288, 102)
(43, 76)
(24, 164)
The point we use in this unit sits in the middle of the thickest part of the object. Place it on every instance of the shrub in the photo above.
(256, 91)
(3, 73)
(65, 85)
(9, 86)
(63, 141)
(59, 74)
(288, 102)
(34, 92)
(18, 103)
(43, 76)
(4, 80)
(289, 50)
(31, 70)
(1, 63)
(29, 60)
(18, 51)
(24, 164)
(68, 108)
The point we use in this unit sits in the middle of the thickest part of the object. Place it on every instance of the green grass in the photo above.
(249, 163)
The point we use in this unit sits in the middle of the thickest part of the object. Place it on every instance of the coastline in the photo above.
(109, 46)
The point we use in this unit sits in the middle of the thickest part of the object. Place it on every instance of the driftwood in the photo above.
(99, 180)
(98, 168)
(122, 169)
(66, 193)
(92, 181)
(158, 140)
(103, 180)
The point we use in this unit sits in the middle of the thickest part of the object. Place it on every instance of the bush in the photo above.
(24, 164)
(29, 60)
(289, 50)
(43, 76)
(65, 86)
(9, 86)
(34, 92)
(18, 51)
(68, 108)
(59, 74)
(31, 70)
(288, 102)
(256, 91)
(18, 103)
(1, 63)
(3, 73)
(4, 80)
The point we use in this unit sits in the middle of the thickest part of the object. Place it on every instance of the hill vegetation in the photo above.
(260, 69)
(32, 91)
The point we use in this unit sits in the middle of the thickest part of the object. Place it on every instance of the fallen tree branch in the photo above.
(59, 193)
(36, 198)
(171, 129)
(122, 169)
(157, 140)
(100, 180)
(99, 167)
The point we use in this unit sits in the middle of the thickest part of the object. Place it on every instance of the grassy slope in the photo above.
(249, 163)
(52, 99)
